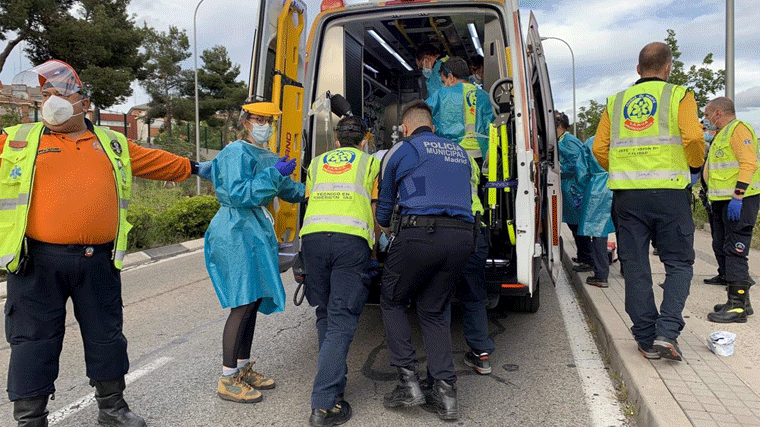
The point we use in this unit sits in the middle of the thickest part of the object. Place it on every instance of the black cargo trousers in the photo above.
(423, 267)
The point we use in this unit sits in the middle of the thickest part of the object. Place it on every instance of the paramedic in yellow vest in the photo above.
(461, 111)
(64, 189)
(733, 184)
(650, 140)
(338, 234)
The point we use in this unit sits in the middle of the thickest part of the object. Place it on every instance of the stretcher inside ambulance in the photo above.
(366, 51)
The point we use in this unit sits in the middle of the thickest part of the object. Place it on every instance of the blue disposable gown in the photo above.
(433, 83)
(448, 114)
(240, 246)
(572, 191)
(596, 208)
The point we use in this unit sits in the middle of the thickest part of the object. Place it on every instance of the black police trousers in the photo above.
(423, 267)
(35, 316)
(731, 239)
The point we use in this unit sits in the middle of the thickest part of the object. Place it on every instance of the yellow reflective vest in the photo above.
(646, 149)
(340, 184)
(17, 178)
(469, 103)
(723, 168)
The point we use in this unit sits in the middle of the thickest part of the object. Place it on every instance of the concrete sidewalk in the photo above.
(703, 390)
(143, 257)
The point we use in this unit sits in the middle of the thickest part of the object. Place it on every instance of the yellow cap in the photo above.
(262, 109)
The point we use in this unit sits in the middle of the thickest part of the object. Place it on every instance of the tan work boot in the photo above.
(235, 389)
(255, 379)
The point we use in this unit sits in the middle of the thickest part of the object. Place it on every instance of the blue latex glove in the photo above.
(285, 166)
(694, 178)
(204, 170)
(374, 268)
(383, 242)
(734, 210)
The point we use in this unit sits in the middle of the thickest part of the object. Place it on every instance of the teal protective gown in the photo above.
(572, 191)
(596, 208)
(448, 114)
(433, 83)
(240, 244)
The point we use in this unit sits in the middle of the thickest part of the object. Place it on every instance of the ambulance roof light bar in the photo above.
(390, 50)
(475, 39)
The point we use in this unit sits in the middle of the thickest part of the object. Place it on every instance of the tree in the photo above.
(219, 93)
(588, 119)
(703, 81)
(98, 39)
(162, 77)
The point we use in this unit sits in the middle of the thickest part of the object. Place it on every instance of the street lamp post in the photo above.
(572, 56)
(197, 114)
(730, 49)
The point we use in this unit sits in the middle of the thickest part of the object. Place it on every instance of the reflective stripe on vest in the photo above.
(10, 204)
(722, 166)
(646, 148)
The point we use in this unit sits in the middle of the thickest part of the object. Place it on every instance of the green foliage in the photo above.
(27, 19)
(162, 76)
(10, 118)
(187, 218)
(176, 143)
(98, 38)
(588, 119)
(703, 81)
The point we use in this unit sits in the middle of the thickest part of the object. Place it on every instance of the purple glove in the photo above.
(734, 210)
(285, 166)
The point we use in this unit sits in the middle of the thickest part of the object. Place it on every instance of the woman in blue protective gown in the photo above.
(241, 248)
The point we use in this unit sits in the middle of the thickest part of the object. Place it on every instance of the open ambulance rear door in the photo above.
(276, 75)
(550, 198)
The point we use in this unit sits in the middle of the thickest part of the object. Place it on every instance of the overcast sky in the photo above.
(606, 36)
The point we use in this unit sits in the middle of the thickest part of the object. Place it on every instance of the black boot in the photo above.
(407, 393)
(747, 306)
(114, 411)
(442, 399)
(733, 311)
(31, 412)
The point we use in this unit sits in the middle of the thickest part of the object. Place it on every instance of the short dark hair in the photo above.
(351, 130)
(476, 61)
(654, 57)
(427, 49)
(417, 112)
(561, 120)
(456, 66)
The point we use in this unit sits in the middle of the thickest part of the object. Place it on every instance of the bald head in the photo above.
(416, 114)
(654, 60)
(723, 104)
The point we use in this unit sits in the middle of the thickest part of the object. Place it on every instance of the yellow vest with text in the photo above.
(723, 167)
(340, 194)
(17, 178)
(646, 149)
(469, 104)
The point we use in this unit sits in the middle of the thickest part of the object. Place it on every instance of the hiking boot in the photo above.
(717, 280)
(235, 389)
(339, 414)
(113, 409)
(255, 379)
(31, 412)
(747, 307)
(442, 399)
(407, 393)
(595, 281)
(478, 361)
(583, 267)
(668, 348)
(734, 310)
(648, 352)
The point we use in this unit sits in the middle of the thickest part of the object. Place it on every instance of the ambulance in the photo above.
(364, 51)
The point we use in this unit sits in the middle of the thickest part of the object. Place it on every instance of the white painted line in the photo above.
(597, 386)
(84, 402)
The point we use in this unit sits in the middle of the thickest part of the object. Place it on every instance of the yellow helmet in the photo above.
(262, 109)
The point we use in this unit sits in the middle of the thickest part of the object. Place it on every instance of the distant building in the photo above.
(21, 101)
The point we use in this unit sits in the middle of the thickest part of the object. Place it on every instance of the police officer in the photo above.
(64, 193)
(733, 188)
(338, 233)
(461, 111)
(428, 178)
(649, 139)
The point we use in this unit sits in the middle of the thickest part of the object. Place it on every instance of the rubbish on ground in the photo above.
(721, 343)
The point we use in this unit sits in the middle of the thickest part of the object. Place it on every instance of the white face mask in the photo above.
(261, 133)
(57, 110)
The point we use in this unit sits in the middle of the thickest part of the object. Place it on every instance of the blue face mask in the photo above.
(709, 137)
(708, 125)
(427, 72)
(261, 133)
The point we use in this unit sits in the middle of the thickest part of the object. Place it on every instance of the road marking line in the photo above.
(86, 401)
(597, 386)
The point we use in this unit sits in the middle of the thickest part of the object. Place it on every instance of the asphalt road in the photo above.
(173, 322)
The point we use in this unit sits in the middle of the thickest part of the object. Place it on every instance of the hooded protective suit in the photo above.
(572, 192)
(448, 114)
(596, 207)
(240, 245)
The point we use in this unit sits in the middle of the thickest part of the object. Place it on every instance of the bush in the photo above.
(142, 219)
(187, 218)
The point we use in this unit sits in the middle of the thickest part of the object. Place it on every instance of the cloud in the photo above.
(748, 99)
